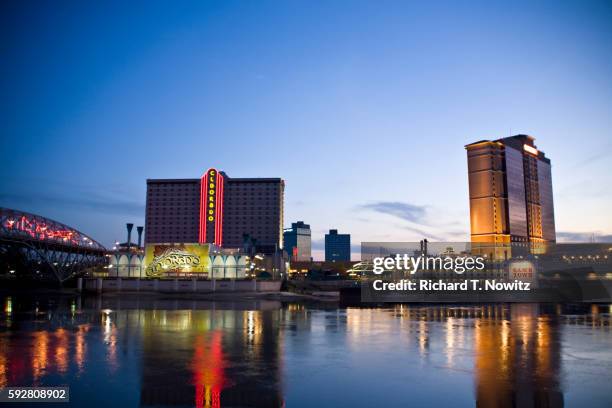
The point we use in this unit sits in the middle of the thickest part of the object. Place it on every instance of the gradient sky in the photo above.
(362, 107)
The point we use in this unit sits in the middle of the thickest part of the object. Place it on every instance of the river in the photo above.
(176, 352)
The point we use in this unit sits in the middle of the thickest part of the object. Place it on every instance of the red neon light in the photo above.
(203, 195)
(40, 230)
(204, 205)
(216, 207)
(208, 367)
(220, 210)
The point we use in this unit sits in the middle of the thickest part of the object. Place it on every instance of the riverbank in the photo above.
(178, 285)
(279, 296)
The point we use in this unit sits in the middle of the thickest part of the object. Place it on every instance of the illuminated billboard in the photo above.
(176, 259)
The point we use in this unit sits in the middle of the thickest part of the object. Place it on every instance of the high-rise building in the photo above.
(298, 241)
(337, 246)
(215, 209)
(511, 198)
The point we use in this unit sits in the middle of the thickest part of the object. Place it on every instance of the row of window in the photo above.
(172, 201)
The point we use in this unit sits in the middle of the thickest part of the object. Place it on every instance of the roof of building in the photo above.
(172, 181)
(229, 179)
(516, 141)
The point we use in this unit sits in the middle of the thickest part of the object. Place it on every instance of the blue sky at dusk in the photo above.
(363, 107)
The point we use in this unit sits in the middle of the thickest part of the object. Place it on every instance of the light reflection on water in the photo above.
(268, 354)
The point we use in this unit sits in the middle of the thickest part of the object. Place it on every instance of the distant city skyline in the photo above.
(362, 108)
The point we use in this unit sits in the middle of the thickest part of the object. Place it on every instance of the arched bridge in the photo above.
(38, 247)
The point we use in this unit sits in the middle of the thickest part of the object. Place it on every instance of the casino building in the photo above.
(216, 209)
(511, 197)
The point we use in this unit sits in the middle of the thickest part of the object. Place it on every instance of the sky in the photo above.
(362, 107)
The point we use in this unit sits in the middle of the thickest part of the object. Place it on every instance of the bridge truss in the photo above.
(41, 248)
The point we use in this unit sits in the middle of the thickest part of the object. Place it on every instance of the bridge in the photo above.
(40, 248)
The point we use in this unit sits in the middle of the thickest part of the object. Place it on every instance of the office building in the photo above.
(511, 198)
(337, 246)
(298, 241)
(215, 209)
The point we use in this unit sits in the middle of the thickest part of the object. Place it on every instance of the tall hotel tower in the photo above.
(511, 199)
(215, 209)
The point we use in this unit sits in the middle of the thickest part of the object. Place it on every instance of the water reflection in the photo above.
(518, 360)
(271, 355)
(209, 370)
(210, 358)
(3, 362)
(80, 347)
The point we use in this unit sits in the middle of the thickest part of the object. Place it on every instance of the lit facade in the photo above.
(511, 198)
(298, 242)
(215, 209)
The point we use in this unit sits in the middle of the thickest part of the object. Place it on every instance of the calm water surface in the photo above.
(139, 352)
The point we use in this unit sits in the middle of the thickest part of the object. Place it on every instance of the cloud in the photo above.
(82, 201)
(416, 214)
(404, 211)
(424, 234)
(459, 233)
(567, 236)
(601, 154)
(317, 244)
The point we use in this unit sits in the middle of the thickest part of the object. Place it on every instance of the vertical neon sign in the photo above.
(211, 207)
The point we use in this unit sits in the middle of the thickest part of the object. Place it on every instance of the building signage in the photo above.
(211, 180)
(169, 259)
(530, 149)
(521, 270)
(211, 207)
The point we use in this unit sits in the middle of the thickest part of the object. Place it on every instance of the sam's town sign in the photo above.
(522, 270)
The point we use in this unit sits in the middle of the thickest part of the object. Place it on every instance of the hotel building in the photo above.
(511, 198)
(215, 209)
